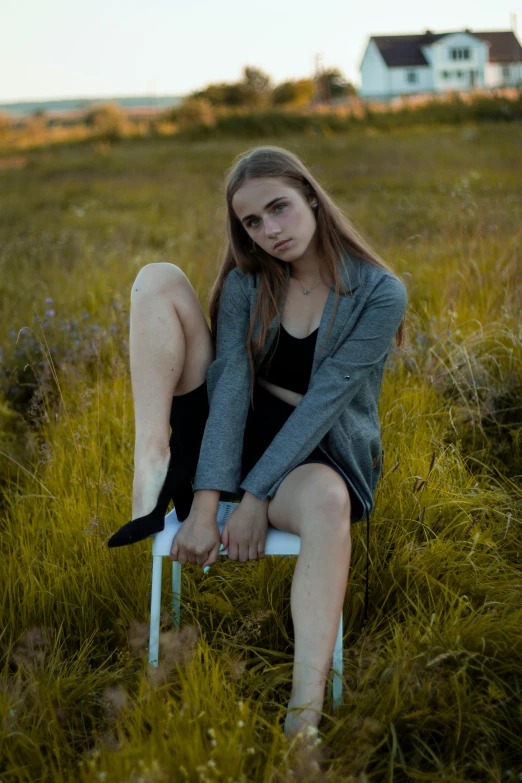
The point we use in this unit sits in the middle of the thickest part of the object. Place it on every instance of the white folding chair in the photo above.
(278, 542)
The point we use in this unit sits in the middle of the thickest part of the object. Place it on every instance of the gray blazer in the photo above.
(338, 413)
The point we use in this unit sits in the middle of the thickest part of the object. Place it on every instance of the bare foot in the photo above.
(149, 474)
(302, 720)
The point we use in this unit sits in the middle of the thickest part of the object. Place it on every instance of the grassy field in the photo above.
(432, 685)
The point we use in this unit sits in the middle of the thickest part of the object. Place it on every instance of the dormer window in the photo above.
(460, 53)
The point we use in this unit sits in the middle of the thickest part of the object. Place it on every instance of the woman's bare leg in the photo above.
(170, 350)
(313, 502)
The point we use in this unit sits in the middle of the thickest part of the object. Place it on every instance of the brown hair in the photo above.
(334, 234)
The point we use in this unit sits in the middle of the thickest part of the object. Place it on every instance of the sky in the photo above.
(103, 48)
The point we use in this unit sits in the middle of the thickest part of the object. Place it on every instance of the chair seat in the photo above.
(278, 542)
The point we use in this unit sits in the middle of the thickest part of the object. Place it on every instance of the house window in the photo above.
(444, 74)
(460, 74)
(411, 76)
(506, 71)
(460, 53)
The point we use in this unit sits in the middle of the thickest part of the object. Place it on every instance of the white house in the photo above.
(436, 62)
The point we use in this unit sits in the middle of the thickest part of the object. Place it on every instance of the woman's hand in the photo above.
(245, 530)
(197, 541)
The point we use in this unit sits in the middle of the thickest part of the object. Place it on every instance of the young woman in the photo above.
(276, 404)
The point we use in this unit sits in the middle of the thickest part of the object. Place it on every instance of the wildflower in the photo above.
(92, 526)
(236, 668)
(33, 648)
(49, 300)
(138, 637)
(47, 454)
(50, 312)
(179, 645)
(240, 723)
(117, 699)
(108, 489)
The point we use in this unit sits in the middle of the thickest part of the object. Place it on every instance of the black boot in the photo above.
(188, 418)
(150, 524)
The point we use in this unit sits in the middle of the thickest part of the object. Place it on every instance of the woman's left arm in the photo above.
(338, 379)
(228, 385)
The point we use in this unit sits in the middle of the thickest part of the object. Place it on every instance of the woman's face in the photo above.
(271, 211)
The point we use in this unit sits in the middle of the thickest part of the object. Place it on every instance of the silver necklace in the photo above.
(307, 291)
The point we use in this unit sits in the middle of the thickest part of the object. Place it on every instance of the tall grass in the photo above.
(432, 686)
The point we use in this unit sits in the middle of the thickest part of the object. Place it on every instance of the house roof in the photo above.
(504, 46)
(405, 50)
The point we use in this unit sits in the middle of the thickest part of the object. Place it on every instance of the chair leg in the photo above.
(337, 664)
(155, 607)
(176, 592)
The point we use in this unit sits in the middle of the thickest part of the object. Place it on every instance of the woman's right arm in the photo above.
(205, 503)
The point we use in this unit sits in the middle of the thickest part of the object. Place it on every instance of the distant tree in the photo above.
(221, 94)
(253, 90)
(295, 93)
(331, 84)
(37, 122)
(257, 86)
(106, 120)
(191, 111)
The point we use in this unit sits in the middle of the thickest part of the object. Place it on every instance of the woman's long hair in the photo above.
(334, 234)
